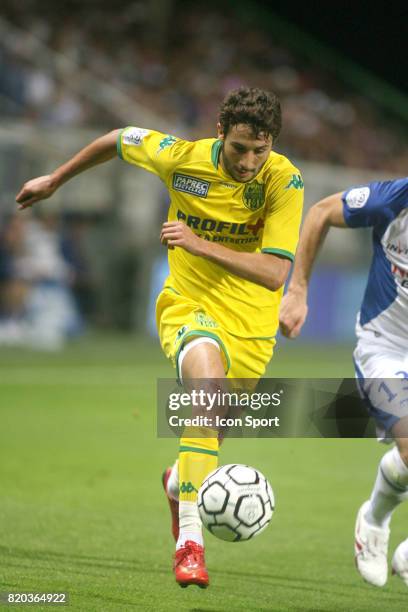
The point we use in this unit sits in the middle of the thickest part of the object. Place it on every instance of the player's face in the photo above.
(244, 153)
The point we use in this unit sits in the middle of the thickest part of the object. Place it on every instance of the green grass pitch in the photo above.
(82, 510)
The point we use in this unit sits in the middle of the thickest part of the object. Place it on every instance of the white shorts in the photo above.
(382, 377)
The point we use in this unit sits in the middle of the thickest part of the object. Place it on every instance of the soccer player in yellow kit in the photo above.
(232, 231)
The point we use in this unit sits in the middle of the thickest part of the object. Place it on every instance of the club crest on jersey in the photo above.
(204, 320)
(254, 195)
(191, 185)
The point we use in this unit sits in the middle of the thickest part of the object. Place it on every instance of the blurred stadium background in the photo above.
(78, 279)
(68, 75)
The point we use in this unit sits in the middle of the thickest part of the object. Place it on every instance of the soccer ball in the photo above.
(235, 502)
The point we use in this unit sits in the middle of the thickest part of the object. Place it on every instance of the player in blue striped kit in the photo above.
(381, 352)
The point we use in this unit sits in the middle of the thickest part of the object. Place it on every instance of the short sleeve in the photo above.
(376, 203)
(284, 214)
(149, 149)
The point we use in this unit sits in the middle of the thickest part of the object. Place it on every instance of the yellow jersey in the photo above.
(262, 215)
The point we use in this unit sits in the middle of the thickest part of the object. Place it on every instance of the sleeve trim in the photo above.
(119, 143)
(282, 252)
(348, 219)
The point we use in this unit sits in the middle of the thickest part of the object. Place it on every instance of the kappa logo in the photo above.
(181, 333)
(187, 487)
(357, 198)
(296, 182)
(254, 195)
(134, 136)
(165, 142)
(191, 185)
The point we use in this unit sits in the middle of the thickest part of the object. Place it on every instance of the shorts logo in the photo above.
(165, 142)
(254, 195)
(357, 198)
(191, 185)
(204, 320)
(296, 182)
(181, 333)
(134, 136)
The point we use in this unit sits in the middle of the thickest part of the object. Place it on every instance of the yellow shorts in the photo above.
(180, 319)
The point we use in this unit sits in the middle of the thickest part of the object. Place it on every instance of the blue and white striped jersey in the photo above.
(384, 207)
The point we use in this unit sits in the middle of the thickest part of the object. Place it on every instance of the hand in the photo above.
(35, 190)
(293, 312)
(177, 233)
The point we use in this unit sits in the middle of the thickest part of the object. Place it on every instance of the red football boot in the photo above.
(189, 565)
(174, 505)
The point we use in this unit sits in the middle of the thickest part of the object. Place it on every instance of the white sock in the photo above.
(173, 482)
(403, 548)
(390, 489)
(189, 523)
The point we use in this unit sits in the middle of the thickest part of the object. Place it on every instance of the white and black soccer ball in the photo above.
(236, 502)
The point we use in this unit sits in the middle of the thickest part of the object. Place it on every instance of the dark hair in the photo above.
(255, 107)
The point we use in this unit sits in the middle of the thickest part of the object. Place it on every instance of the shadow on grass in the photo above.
(18, 558)
(95, 563)
(313, 585)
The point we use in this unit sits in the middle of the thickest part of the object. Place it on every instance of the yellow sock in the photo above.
(198, 457)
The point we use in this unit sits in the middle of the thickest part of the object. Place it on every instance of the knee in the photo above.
(214, 399)
(395, 467)
(401, 439)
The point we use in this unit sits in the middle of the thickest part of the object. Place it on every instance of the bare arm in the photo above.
(267, 270)
(101, 150)
(323, 215)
